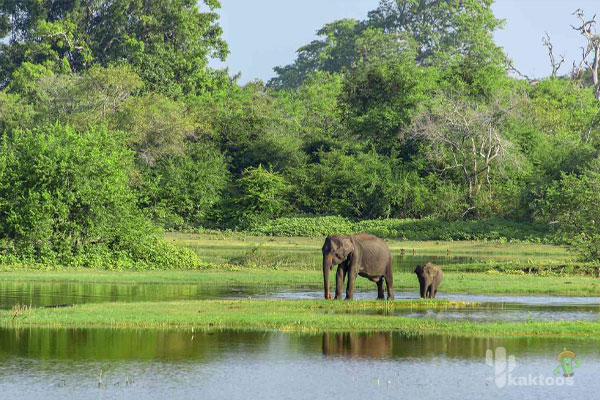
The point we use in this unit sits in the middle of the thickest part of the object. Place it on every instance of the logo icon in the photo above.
(568, 363)
(502, 365)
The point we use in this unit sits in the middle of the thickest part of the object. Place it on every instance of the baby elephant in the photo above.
(430, 278)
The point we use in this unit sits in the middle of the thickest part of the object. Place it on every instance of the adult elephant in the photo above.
(361, 254)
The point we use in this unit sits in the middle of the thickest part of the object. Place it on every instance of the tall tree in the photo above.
(466, 138)
(167, 43)
(441, 27)
(446, 32)
(590, 57)
(333, 53)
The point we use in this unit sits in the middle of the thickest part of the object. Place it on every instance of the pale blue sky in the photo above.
(264, 33)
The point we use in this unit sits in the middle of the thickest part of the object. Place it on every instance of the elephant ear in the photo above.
(347, 247)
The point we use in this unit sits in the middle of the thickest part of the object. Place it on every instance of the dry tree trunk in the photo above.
(592, 50)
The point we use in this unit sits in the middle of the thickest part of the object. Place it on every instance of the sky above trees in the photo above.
(279, 28)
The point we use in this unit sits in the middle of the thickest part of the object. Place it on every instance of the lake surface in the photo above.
(491, 307)
(38, 363)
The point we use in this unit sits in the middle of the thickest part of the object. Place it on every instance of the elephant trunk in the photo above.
(327, 265)
(423, 288)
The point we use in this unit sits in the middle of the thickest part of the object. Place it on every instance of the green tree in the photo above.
(572, 205)
(315, 111)
(183, 190)
(558, 132)
(252, 128)
(65, 196)
(90, 98)
(441, 29)
(167, 43)
(261, 195)
(380, 98)
(334, 53)
(14, 113)
(351, 185)
(159, 126)
(454, 34)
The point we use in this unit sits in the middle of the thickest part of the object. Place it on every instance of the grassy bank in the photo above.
(227, 250)
(302, 316)
(224, 241)
(453, 282)
(304, 253)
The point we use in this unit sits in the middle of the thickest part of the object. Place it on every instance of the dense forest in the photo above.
(113, 126)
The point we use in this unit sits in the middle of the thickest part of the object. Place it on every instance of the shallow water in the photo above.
(42, 294)
(104, 363)
(491, 307)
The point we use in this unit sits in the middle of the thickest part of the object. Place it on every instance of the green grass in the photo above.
(228, 241)
(235, 259)
(223, 250)
(304, 253)
(453, 282)
(302, 316)
(239, 260)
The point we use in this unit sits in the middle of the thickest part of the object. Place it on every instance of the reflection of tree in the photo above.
(398, 346)
(373, 345)
(55, 293)
(126, 344)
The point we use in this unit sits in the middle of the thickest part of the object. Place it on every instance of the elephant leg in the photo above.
(423, 290)
(433, 293)
(340, 275)
(428, 292)
(380, 295)
(350, 287)
(389, 283)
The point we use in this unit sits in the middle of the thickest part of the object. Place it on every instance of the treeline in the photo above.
(110, 118)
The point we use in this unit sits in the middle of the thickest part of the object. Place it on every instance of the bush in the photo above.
(353, 185)
(407, 229)
(573, 206)
(182, 191)
(261, 196)
(309, 227)
(65, 199)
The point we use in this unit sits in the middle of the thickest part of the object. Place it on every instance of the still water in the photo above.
(490, 308)
(40, 363)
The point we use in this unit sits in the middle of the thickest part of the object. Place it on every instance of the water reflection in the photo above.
(373, 345)
(42, 363)
(491, 308)
(42, 294)
(156, 344)
(388, 345)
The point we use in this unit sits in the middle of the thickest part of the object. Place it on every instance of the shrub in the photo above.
(261, 196)
(183, 191)
(353, 185)
(408, 229)
(573, 206)
(65, 199)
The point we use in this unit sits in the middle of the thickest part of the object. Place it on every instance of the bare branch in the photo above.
(511, 67)
(592, 50)
(466, 136)
(555, 65)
